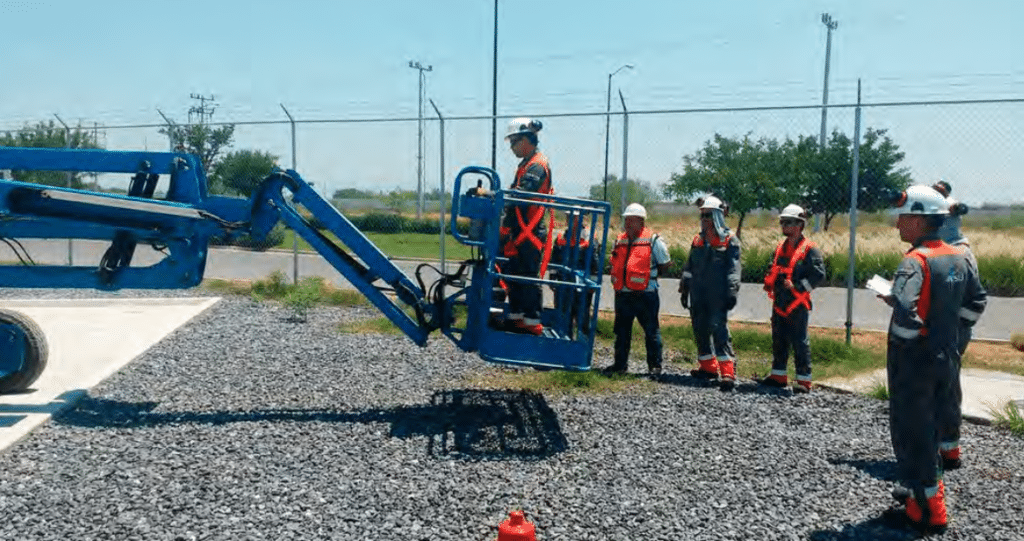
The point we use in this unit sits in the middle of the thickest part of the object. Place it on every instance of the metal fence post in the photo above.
(67, 144)
(440, 220)
(854, 179)
(295, 236)
(624, 183)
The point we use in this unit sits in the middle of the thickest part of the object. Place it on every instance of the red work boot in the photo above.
(708, 369)
(776, 380)
(930, 517)
(803, 386)
(950, 456)
(728, 369)
(522, 327)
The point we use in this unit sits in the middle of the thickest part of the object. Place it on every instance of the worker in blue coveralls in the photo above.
(710, 285)
(935, 293)
(951, 412)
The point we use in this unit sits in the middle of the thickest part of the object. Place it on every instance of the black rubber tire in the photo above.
(36, 352)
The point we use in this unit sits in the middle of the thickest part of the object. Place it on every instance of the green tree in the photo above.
(637, 191)
(742, 172)
(352, 193)
(240, 172)
(396, 200)
(879, 174)
(49, 135)
(203, 140)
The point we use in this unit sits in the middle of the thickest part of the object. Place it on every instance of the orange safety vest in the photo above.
(924, 301)
(583, 243)
(631, 261)
(799, 297)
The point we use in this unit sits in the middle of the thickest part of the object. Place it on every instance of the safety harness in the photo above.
(534, 215)
(799, 297)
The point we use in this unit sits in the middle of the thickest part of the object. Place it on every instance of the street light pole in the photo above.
(831, 24)
(419, 142)
(607, 126)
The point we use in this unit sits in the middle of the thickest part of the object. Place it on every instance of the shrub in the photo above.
(1017, 341)
(756, 261)
(274, 286)
(304, 296)
(377, 222)
(879, 391)
(1002, 275)
(1009, 418)
(273, 238)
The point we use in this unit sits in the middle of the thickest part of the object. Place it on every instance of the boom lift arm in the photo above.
(180, 219)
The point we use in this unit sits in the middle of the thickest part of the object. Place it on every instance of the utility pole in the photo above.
(204, 113)
(419, 141)
(494, 94)
(831, 24)
(170, 129)
(607, 127)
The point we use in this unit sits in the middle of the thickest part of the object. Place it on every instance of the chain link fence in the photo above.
(369, 168)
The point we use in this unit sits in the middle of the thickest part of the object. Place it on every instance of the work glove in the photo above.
(730, 303)
(684, 298)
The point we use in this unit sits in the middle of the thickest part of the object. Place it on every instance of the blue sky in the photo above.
(117, 62)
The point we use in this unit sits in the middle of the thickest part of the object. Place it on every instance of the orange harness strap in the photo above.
(799, 297)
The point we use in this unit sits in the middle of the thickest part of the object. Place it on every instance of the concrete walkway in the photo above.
(984, 391)
(88, 341)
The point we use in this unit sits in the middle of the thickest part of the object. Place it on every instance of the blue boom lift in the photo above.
(178, 217)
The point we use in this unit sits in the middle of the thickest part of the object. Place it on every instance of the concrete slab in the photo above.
(88, 341)
(984, 390)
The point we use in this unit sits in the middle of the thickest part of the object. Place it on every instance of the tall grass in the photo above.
(1009, 417)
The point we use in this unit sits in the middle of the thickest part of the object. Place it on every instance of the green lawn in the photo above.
(398, 245)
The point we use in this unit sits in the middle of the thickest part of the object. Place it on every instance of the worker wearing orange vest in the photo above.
(638, 257)
(951, 414)
(570, 251)
(524, 237)
(797, 268)
(934, 294)
(710, 285)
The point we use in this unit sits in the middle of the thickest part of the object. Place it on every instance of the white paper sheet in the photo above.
(879, 285)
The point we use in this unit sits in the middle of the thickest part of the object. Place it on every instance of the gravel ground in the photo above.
(243, 425)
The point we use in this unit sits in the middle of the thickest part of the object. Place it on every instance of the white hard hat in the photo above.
(711, 202)
(522, 126)
(635, 209)
(923, 200)
(793, 211)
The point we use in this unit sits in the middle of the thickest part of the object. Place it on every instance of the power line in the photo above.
(204, 113)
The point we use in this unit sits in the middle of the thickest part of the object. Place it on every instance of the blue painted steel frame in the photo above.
(187, 217)
(554, 349)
